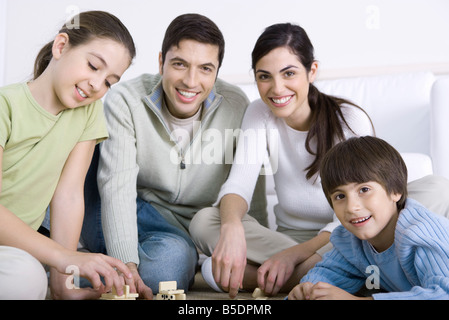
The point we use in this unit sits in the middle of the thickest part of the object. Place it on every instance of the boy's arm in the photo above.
(432, 270)
(422, 245)
(337, 270)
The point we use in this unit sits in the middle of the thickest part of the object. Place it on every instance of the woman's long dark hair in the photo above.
(325, 127)
(92, 24)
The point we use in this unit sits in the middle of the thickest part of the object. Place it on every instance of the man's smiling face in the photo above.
(188, 76)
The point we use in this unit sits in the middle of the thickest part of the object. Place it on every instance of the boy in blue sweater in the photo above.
(386, 241)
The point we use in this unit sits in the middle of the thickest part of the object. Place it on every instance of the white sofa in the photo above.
(409, 110)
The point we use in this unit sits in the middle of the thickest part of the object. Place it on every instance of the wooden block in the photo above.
(125, 296)
(165, 296)
(258, 293)
(167, 285)
(172, 291)
(181, 296)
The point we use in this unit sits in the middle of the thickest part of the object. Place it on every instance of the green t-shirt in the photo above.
(36, 145)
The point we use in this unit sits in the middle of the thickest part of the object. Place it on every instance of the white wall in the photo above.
(351, 37)
(2, 40)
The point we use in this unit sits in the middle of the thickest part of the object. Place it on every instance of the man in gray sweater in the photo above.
(171, 142)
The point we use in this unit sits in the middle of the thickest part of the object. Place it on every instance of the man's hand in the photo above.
(136, 284)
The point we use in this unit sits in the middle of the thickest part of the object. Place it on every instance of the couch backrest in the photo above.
(398, 104)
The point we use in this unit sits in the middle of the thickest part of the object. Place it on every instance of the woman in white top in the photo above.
(296, 124)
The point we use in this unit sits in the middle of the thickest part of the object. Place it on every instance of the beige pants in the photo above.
(262, 243)
(22, 277)
(432, 192)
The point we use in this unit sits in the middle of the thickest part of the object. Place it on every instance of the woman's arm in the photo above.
(277, 270)
(229, 256)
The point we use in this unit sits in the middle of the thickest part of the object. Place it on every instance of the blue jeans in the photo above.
(166, 252)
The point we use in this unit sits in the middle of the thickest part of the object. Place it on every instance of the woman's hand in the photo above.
(229, 258)
(275, 271)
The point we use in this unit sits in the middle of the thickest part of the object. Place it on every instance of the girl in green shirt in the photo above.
(48, 130)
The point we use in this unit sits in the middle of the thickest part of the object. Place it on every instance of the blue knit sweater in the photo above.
(416, 266)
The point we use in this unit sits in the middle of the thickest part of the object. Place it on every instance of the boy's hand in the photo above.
(320, 291)
(301, 291)
(326, 291)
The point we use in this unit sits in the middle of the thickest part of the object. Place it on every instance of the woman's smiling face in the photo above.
(283, 84)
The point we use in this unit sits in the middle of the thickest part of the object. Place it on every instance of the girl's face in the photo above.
(83, 74)
(283, 84)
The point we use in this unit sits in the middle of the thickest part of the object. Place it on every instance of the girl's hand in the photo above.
(94, 265)
(63, 288)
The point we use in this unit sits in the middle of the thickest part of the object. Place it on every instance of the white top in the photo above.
(302, 204)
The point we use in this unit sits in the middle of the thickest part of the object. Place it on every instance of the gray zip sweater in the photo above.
(140, 159)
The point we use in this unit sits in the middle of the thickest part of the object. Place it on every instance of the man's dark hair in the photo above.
(195, 27)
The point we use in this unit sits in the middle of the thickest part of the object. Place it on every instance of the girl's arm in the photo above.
(67, 205)
(15, 233)
(67, 212)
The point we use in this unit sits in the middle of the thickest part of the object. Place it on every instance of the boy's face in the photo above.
(367, 211)
(188, 76)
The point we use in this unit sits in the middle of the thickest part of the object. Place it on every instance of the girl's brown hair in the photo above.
(364, 159)
(326, 127)
(92, 24)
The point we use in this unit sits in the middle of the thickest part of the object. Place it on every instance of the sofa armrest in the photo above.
(418, 165)
(439, 127)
